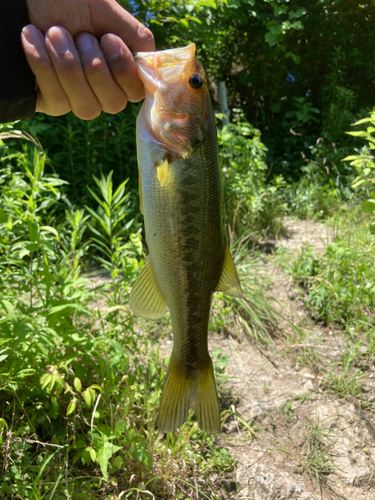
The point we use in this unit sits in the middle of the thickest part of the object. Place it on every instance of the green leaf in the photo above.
(64, 307)
(359, 122)
(8, 309)
(3, 425)
(72, 406)
(89, 396)
(3, 216)
(88, 455)
(359, 133)
(104, 453)
(97, 387)
(33, 231)
(51, 230)
(45, 380)
(368, 206)
(138, 450)
(77, 384)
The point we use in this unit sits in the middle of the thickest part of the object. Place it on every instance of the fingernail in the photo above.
(59, 39)
(32, 35)
(111, 46)
(84, 42)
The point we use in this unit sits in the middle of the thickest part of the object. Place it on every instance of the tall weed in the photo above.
(340, 283)
(79, 381)
(252, 205)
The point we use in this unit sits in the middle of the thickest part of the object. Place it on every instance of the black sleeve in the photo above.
(17, 82)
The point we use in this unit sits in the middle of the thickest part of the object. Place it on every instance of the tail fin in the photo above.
(183, 391)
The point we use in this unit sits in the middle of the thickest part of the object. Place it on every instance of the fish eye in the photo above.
(196, 82)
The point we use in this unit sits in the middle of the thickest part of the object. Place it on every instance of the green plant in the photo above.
(339, 283)
(118, 248)
(364, 162)
(346, 383)
(315, 455)
(251, 204)
(79, 384)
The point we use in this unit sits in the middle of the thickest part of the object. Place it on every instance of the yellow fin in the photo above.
(162, 172)
(146, 299)
(182, 391)
(229, 282)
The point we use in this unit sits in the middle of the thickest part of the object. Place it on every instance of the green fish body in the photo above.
(182, 203)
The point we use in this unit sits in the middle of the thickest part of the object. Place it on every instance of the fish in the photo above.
(181, 198)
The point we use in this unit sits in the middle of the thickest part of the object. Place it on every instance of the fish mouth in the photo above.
(167, 63)
(164, 57)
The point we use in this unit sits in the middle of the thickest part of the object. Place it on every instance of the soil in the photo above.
(309, 443)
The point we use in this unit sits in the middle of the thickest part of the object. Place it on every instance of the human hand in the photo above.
(75, 74)
(69, 77)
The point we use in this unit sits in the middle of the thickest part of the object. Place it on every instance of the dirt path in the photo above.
(310, 444)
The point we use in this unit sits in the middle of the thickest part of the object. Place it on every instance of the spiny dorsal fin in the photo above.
(229, 282)
(146, 299)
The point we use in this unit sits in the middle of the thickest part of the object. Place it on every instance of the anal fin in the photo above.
(229, 282)
(146, 300)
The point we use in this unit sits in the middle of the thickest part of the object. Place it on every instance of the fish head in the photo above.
(177, 101)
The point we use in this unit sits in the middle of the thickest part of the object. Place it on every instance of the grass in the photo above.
(315, 454)
(340, 283)
(80, 381)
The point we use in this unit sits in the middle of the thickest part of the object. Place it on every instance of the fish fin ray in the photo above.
(146, 300)
(229, 282)
(181, 393)
(162, 171)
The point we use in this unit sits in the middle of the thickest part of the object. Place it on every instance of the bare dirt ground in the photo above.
(309, 443)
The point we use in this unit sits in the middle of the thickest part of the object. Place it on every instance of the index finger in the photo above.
(136, 36)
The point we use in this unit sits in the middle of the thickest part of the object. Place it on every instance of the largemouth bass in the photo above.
(181, 198)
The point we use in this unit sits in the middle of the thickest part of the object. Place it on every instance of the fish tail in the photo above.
(184, 390)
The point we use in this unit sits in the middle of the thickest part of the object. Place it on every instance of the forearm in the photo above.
(17, 82)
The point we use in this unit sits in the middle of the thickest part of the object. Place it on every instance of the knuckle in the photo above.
(92, 66)
(146, 36)
(115, 107)
(88, 113)
(42, 62)
(137, 94)
(70, 69)
(61, 109)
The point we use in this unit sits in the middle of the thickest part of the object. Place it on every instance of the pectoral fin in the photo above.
(162, 171)
(146, 300)
(229, 282)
